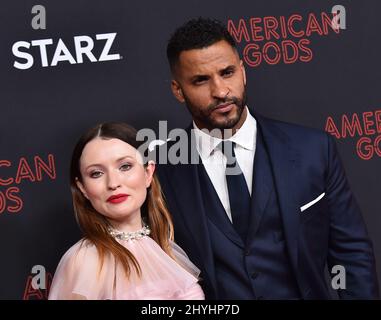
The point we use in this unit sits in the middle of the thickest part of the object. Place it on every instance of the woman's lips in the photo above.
(117, 198)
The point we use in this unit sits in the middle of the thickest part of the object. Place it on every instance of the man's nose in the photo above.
(220, 90)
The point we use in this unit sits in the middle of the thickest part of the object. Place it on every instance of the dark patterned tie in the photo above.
(239, 196)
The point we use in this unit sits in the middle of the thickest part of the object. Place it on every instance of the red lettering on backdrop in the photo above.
(10, 200)
(352, 127)
(10, 193)
(327, 22)
(40, 166)
(271, 25)
(24, 171)
(302, 46)
(368, 122)
(3, 202)
(313, 25)
(10, 196)
(241, 31)
(256, 29)
(364, 126)
(37, 294)
(331, 128)
(273, 39)
(250, 54)
(364, 148)
(31, 293)
(5, 163)
(290, 23)
(377, 116)
(377, 145)
(283, 27)
(275, 50)
(286, 45)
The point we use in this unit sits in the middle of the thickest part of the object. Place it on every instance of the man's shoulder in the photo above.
(293, 131)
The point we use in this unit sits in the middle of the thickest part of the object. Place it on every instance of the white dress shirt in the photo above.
(214, 160)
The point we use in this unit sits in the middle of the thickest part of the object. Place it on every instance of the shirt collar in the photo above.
(244, 137)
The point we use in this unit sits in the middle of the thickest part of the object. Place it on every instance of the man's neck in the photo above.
(224, 133)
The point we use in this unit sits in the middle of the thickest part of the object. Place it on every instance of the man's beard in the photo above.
(204, 116)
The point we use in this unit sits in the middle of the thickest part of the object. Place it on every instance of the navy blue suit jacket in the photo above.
(331, 232)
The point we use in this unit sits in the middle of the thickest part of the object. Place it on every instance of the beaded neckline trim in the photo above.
(121, 235)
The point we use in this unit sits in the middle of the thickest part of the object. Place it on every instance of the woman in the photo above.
(127, 251)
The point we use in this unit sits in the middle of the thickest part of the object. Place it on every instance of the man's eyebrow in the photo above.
(199, 77)
(229, 68)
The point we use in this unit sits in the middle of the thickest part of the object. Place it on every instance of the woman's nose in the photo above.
(113, 181)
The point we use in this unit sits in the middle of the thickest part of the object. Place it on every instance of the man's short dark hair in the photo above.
(196, 34)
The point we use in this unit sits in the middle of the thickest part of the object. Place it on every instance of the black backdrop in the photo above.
(333, 85)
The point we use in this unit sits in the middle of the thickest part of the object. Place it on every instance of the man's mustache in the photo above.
(221, 102)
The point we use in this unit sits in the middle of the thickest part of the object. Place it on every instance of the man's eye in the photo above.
(199, 81)
(95, 174)
(228, 72)
(125, 167)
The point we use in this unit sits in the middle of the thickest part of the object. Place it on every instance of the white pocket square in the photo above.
(309, 204)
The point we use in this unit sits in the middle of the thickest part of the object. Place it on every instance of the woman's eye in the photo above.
(95, 174)
(125, 167)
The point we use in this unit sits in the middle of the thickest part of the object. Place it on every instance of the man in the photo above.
(269, 229)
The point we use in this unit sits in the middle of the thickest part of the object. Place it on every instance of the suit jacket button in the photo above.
(254, 275)
(247, 252)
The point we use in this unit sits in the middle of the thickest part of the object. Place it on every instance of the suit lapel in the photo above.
(261, 187)
(283, 161)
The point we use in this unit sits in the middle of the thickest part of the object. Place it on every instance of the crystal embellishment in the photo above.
(136, 235)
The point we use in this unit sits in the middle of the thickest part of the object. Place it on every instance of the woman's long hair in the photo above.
(94, 225)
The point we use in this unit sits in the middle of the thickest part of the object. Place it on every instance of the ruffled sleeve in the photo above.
(183, 260)
(78, 275)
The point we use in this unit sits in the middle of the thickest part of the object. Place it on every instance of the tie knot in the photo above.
(227, 148)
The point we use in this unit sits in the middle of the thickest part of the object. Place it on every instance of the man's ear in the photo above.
(177, 91)
(81, 187)
(241, 64)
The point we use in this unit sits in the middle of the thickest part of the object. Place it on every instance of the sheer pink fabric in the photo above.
(78, 277)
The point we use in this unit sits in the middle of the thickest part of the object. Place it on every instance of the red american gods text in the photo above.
(14, 174)
(33, 291)
(364, 127)
(286, 39)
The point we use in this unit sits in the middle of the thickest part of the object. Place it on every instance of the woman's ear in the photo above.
(149, 171)
(81, 187)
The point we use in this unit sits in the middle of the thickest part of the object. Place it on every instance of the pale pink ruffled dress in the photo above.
(77, 275)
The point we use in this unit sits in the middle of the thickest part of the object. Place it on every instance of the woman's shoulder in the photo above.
(80, 273)
(80, 251)
(80, 259)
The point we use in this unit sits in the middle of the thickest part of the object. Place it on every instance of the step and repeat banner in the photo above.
(68, 65)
